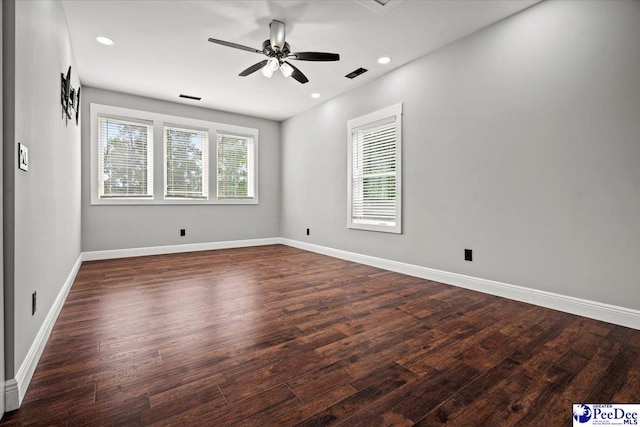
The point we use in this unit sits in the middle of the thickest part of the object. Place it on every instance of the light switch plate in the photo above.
(23, 157)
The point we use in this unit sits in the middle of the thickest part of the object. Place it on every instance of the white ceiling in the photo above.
(161, 48)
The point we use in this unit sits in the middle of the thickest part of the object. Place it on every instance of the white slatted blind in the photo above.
(236, 167)
(374, 174)
(125, 159)
(186, 172)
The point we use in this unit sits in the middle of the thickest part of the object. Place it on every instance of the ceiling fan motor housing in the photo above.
(278, 34)
(268, 50)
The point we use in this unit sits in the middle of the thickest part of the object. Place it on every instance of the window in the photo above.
(186, 172)
(196, 161)
(236, 170)
(125, 161)
(375, 171)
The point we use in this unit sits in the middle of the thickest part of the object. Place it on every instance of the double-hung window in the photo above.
(125, 158)
(374, 193)
(186, 156)
(236, 166)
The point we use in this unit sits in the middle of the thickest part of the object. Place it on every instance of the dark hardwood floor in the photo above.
(278, 336)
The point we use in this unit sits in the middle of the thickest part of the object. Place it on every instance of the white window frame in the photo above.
(252, 155)
(395, 113)
(205, 162)
(159, 121)
(100, 165)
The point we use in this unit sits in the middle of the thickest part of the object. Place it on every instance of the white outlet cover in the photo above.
(23, 157)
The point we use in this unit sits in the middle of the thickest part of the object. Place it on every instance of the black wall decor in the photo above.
(69, 98)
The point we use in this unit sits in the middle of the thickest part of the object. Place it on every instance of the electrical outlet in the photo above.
(33, 303)
(468, 254)
(183, 232)
(307, 231)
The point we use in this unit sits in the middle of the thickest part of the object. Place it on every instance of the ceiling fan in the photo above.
(278, 52)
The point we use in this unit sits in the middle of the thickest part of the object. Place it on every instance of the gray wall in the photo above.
(521, 142)
(120, 227)
(8, 150)
(2, 399)
(42, 206)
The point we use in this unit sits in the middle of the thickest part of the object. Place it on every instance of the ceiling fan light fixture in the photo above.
(278, 51)
(270, 68)
(267, 72)
(286, 69)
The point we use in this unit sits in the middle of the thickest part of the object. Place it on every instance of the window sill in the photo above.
(165, 202)
(394, 229)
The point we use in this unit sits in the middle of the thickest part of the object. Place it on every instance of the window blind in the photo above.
(186, 163)
(125, 160)
(236, 167)
(374, 174)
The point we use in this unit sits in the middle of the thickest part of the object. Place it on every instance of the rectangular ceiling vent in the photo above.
(356, 73)
(195, 98)
(380, 7)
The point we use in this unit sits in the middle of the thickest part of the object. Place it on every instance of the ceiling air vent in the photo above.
(380, 6)
(356, 73)
(195, 98)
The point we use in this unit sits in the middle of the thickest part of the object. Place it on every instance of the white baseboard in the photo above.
(191, 247)
(595, 310)
(16, 388)
(11, 395)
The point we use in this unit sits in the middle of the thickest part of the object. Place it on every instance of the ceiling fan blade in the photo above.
(297, 74)
(234, 45)
(253, 68)
(314, 56)
(277, 34)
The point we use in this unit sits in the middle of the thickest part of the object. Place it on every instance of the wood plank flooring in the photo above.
(278, 336)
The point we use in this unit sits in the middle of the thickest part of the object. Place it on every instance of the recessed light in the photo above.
(384, 60)
(315, 95)
(104, 40)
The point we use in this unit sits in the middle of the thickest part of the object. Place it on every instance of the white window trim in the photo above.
(205, 150)
(159, 120)
(149, 156)
(254, 155)
(353, 124)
